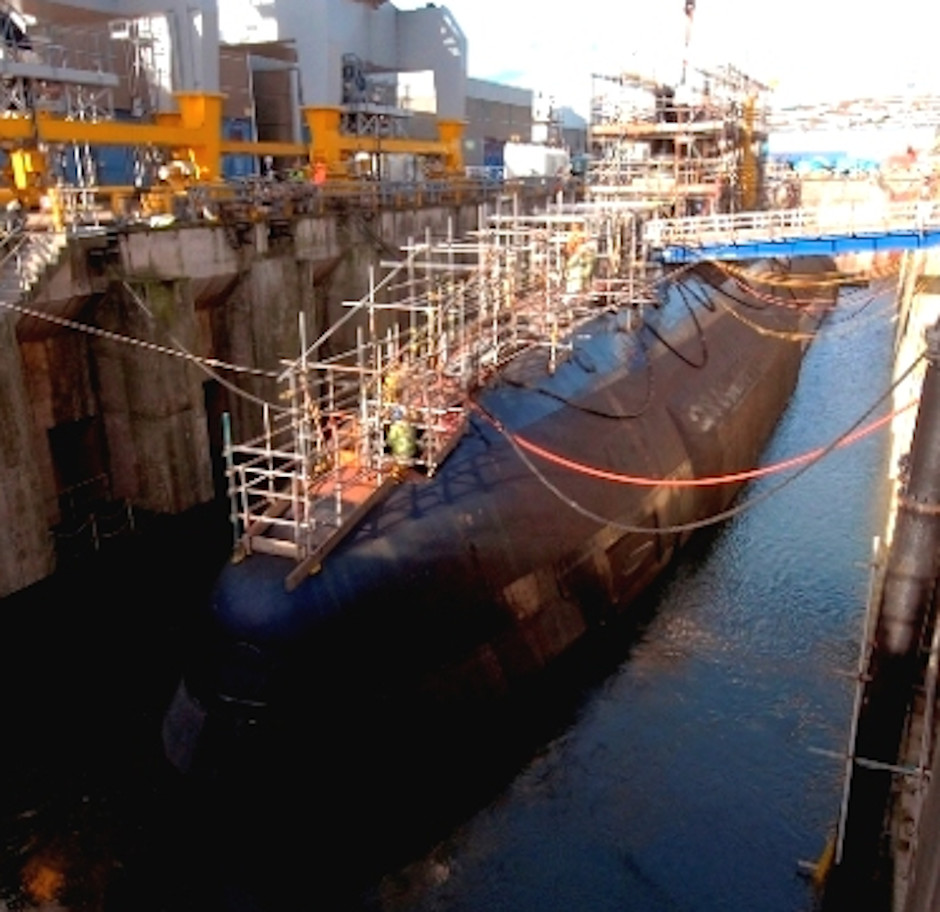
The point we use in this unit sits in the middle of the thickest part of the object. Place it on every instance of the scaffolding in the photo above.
(432, 328)
(693, 151)
(67, 71)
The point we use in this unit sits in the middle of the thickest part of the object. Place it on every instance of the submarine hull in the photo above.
(458, 588)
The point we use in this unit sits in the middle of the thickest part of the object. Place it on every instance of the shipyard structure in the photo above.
(290, 257)
(182, 181)
(173, 197)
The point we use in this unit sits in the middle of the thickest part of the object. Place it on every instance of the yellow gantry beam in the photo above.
(277, 149)
(194, 133)
(197, 127)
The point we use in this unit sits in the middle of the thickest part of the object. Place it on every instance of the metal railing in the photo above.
(842, 219)
(25, 257)
(258, 199)
(644, 176)
(434, 327)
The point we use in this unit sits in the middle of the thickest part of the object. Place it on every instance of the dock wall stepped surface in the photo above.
(89, 411)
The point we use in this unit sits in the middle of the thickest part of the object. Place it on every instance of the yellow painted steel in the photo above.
(193, 135)
(379, 144)
(201, 112)
(28, 166)
(277, 149)
(451, 136)
(165, 132)
(331, 148)
(749, 175)
(325, 137)
(15, 128)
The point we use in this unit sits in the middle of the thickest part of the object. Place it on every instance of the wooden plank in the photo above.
(311, 563)
(276, 546)
(273, 511)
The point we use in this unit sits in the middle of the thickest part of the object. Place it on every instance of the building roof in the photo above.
(496, 91)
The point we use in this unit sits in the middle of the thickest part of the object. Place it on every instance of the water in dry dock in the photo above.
(673, 769)
(687, 778)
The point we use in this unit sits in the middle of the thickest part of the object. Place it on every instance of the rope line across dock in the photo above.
(802, 464)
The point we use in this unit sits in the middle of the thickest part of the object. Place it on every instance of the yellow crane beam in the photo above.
(194, 135)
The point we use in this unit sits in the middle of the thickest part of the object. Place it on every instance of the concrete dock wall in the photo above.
(129, 422)
(26, 552)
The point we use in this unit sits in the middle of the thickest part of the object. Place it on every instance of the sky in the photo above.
(809, 49)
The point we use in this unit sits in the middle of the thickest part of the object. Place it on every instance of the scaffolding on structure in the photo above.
(691, 150)
(429, 332)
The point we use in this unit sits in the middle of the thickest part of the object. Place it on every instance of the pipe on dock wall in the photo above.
(908, 589)
(912, 561)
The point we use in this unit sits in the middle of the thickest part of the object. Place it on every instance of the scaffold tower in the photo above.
(433, 327)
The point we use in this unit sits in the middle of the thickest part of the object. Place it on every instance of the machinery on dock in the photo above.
(127, 115)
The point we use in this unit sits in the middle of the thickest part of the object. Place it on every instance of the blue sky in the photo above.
(809, 48)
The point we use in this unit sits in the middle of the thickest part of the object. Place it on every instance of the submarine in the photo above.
(577, 472)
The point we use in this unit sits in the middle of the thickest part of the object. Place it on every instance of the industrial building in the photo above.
(121, 119)
(341, 88)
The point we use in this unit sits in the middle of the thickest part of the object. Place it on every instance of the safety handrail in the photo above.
(784, 224)
(453, 312)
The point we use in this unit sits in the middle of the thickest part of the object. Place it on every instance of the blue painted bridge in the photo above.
(782, 233)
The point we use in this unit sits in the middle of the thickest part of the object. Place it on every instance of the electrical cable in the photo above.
(588, 410)
(715, 519)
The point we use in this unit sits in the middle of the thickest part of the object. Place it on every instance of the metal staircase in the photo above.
(26, 257)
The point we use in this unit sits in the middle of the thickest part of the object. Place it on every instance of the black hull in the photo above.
(459, 588)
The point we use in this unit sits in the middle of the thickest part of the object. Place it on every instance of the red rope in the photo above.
(734, 478)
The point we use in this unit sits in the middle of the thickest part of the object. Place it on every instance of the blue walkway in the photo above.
(826, 245)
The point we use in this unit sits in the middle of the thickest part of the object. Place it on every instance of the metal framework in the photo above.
(64, 70)
(431, 329)
(692, 150)
(853, 219)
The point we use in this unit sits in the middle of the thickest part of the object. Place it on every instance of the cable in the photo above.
(789, 335)
(87, 328)
(183, 352)
(707, 480)
(792, 302)
(598, 413)
(823, 329)
(819, 278)
(716, 518)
